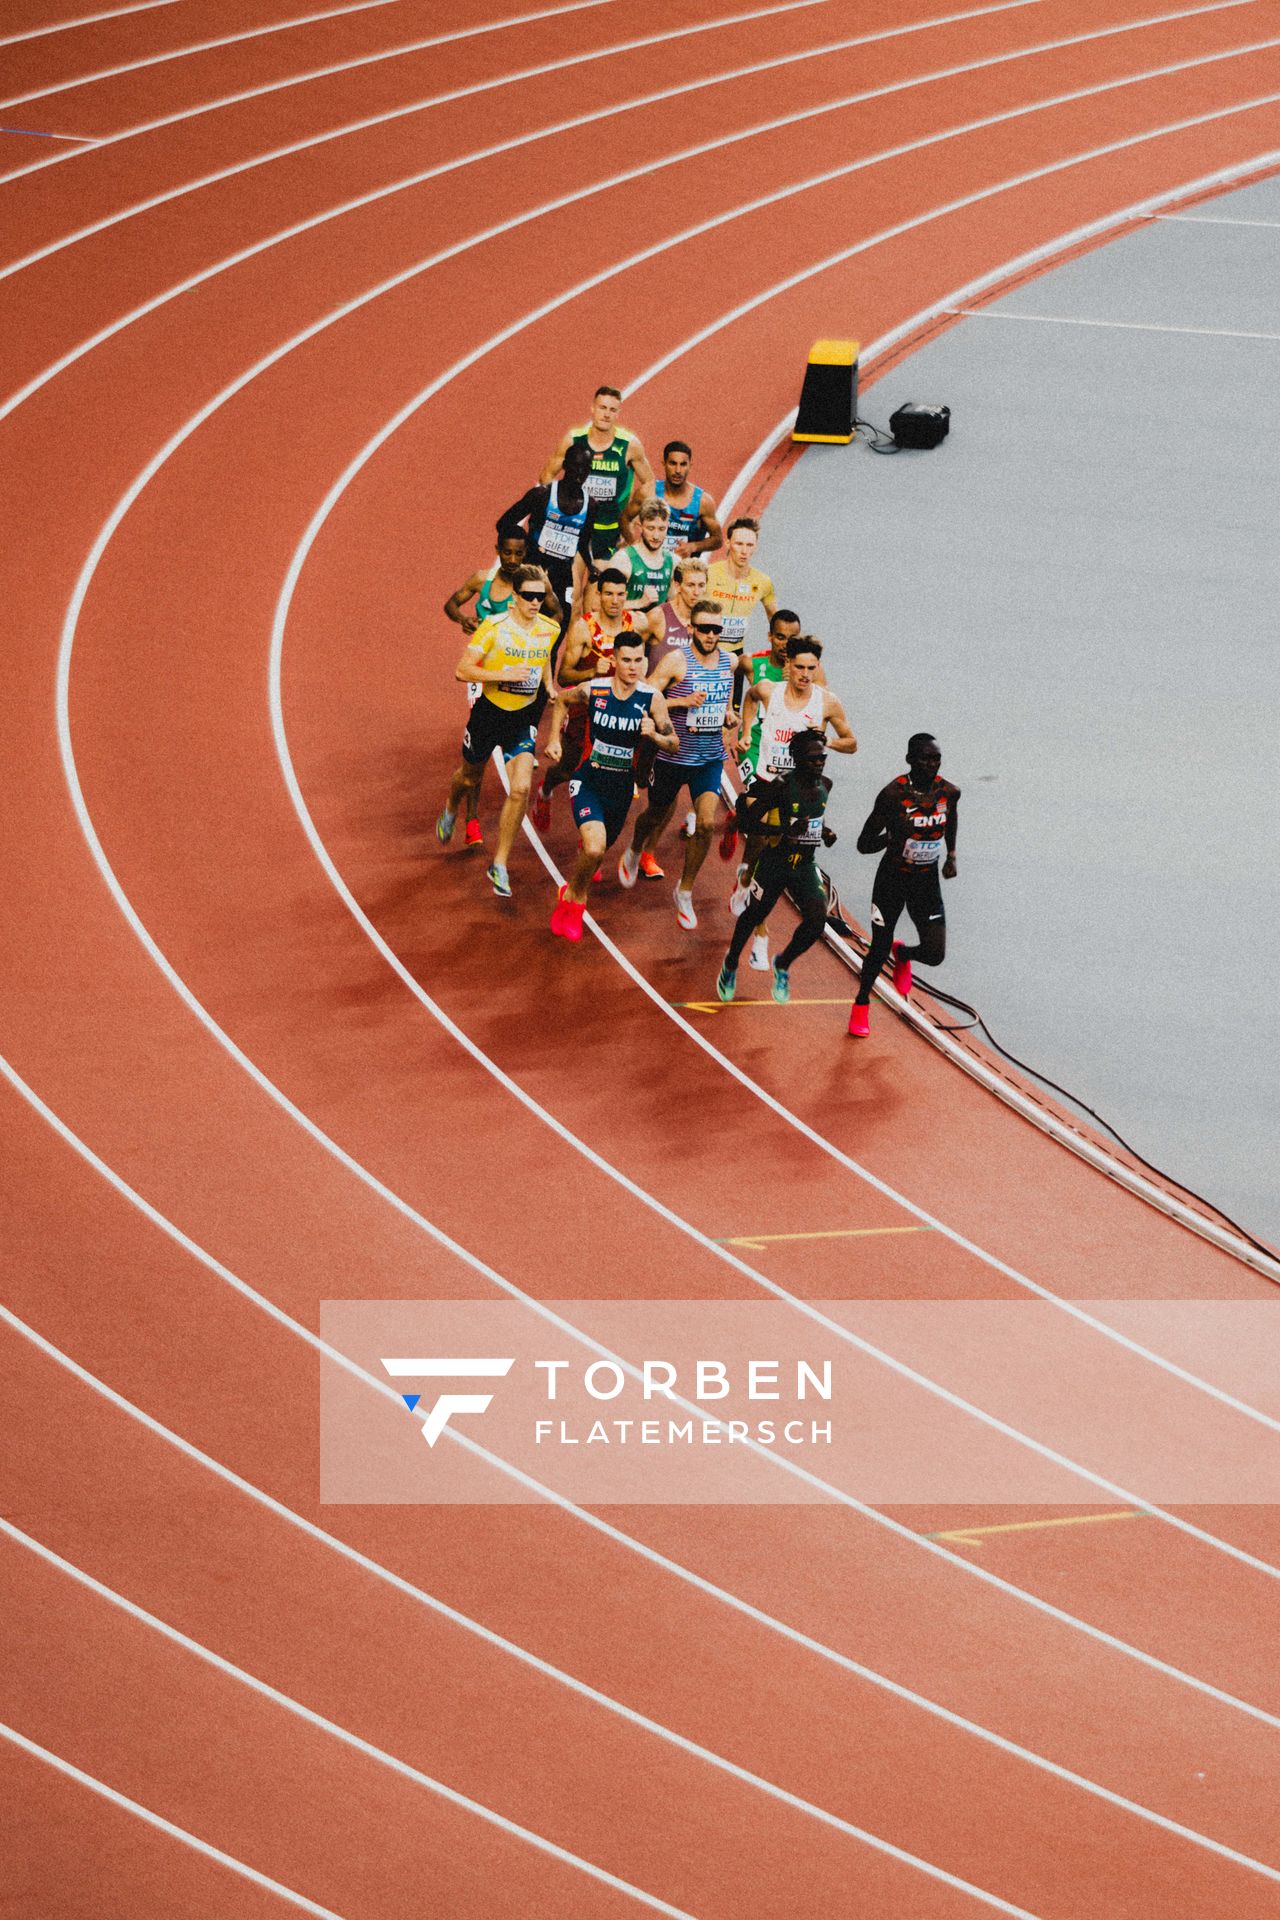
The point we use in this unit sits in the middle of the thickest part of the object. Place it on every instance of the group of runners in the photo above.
(603, 607)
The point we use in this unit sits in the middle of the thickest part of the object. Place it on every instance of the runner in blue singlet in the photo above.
(696, 676)
(694, 526)
(621, 711)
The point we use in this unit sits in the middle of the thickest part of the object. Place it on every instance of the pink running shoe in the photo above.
(558, 911)
(901, 971)
(571, 925)
(859, 1021)
(540, 808)
(729, 840)
(474, 837)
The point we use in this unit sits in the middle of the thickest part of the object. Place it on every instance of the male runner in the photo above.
(785, 708)
(509, 657)
(621, 711)
(787, 813)
(587, 654)
(752, 668)
(618, 464)
(491, 592)
(647, 565)
(739, 586)
(668, 626)
(913, 819)
(696, 678)
(560, 519)
(694, 526)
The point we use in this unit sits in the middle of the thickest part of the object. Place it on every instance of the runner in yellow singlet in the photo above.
(738, 586)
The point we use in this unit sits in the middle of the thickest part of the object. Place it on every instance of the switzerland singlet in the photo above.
(700, 730)
(613, 732)
(685, 522)
(779, 725)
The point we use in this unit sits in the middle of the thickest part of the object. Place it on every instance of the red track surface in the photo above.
(170, 731)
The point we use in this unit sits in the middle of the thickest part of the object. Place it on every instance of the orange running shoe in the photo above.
(650, 868)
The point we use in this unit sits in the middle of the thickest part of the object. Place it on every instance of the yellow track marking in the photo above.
(723, 1006)
(967, 1536)
(758, 1241)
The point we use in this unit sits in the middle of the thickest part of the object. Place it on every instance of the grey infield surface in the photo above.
(1079, 593)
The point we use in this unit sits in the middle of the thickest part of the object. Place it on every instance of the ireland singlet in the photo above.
(648, 570)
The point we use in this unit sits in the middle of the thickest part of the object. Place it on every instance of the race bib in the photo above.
(922, 853)
(735, 629)
(709, 717)
(808, 833)
(559, 541)
(529, 685)
(601, 486)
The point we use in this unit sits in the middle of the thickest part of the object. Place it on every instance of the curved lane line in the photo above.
(1124, 1495)
(85, 20)
(166, 1827)
(202, 46)
(583, 1514)
(558, 1674)
(373, 59)
(724, 75)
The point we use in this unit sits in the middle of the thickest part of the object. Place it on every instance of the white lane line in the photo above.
(199, 46)
(1125, 1496)
(1120, 326)
(348, 1739)
(84, 20)
(598, 1525)
(166, 1827)
(32, 133)
(544, 1667)
(398, 53)
(381, 1757)
(1216, 220)
(510, 145)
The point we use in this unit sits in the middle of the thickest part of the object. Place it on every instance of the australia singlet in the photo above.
(613, 732)
(779, 725)
(916, 823)
(609, 481)
(685, 522)
(700, 730)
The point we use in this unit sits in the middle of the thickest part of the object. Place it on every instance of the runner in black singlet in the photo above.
(787, 816)
(560, 519)
(912, 823)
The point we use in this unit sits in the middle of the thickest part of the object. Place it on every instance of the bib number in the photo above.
(601, 486)
(560, 542)
(922, 853)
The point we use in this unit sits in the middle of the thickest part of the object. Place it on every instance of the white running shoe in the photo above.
(629, 868)
(759, 960)
(690, 825)
(738, 900)
(684, 909)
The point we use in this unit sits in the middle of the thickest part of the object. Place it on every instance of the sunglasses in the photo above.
(701, 627)
(528, 593)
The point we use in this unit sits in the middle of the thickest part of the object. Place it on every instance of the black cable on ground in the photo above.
(880, 441)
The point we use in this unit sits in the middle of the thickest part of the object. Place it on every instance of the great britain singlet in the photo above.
(700, 730)
(779, 725)
(685, 522)
(613, 731)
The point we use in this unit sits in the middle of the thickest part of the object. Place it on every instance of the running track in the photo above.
(289, 311)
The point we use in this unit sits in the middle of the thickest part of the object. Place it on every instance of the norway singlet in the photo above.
(613, 733)
(685, 522)
(779, 725)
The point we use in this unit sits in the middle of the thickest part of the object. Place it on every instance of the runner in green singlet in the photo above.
(648, 565)
(619, 465)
